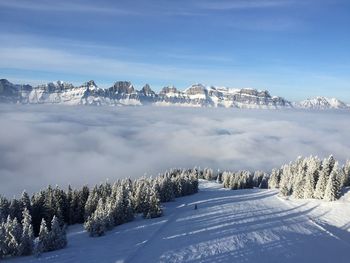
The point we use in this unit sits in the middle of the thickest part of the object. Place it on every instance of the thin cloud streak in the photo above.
(65, 6)
(242, 4)
(44, 59)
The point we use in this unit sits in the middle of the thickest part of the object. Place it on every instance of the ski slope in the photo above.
(229, 226)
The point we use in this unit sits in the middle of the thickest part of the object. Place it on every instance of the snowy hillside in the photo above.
(228, 226)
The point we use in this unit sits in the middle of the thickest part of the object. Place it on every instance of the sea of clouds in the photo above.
(61, 145)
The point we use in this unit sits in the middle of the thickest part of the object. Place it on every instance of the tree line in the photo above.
(36, 224)
(306, 177)
(311, 177)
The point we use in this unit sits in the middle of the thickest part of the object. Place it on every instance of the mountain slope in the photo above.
(321, 103)
(228, 226)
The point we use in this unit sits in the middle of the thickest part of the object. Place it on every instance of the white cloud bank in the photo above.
(41, 145)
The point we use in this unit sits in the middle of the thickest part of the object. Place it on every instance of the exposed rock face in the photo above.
(171, 91)
(13, 93)
(124, 93)
(147, 91)
(122, 88)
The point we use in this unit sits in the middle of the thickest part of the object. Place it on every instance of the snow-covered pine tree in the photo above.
(91, 202)
(346, 174)
(13, 234)
(15, 209)
(311, 177)
(127, 207)
(25, 202)
(257, 177)
(208, 174)
(233, 179)
(264, 182)
(299, 178)
(43, 238)
(96, 223)
(117, 204)
(39, 210)
(4, 208)
(286, 182)
(226, 179)
(27, 240)
(109, 213)
(154, 207)
(70, 213)
(332, 190)
(177, 185)
(3, 247)
(309, 185)
(166, 189)
(327, 167)
(57, 235)
(219, 177)
(274, 179)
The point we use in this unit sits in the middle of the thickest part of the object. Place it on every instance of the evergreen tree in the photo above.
(309, 185)
(332, 191)
(264, 183)
(15, 209)
(154, 207)
(140, 195)
(96, 223)
(39, 211)
(26, 247)
(286, 182)
(70, 211)
(127, 206)
(166, 189)
(3, 246)
(25, 202)
(258, 176)
(91, 202)
(299, 178)
(274, 179)
(57, 235)
(13, 234)
(4, 209)
(43, 238)
(327, 166)
(346, 174)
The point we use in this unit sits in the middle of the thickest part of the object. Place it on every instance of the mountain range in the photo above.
(124, 93)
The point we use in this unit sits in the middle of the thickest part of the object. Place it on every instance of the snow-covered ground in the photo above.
(229, 226)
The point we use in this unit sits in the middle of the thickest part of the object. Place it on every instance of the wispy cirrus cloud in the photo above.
(58, 56)
(66, 6)
(242, 4)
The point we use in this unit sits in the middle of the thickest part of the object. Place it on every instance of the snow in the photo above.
(322, 103)
(228, 226)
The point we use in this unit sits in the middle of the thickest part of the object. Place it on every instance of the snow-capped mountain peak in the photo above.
(91, 85)
(124, 93)
(320, 103)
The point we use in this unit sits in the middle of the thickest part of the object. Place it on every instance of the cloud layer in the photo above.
(62, 145)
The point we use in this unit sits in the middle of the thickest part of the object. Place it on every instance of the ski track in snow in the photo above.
(229, 226)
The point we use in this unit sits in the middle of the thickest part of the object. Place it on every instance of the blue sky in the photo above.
(292, 48)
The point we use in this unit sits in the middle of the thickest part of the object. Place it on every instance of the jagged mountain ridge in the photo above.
(124, 93)
(321, 103)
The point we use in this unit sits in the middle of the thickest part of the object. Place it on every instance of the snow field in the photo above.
(229, 226)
